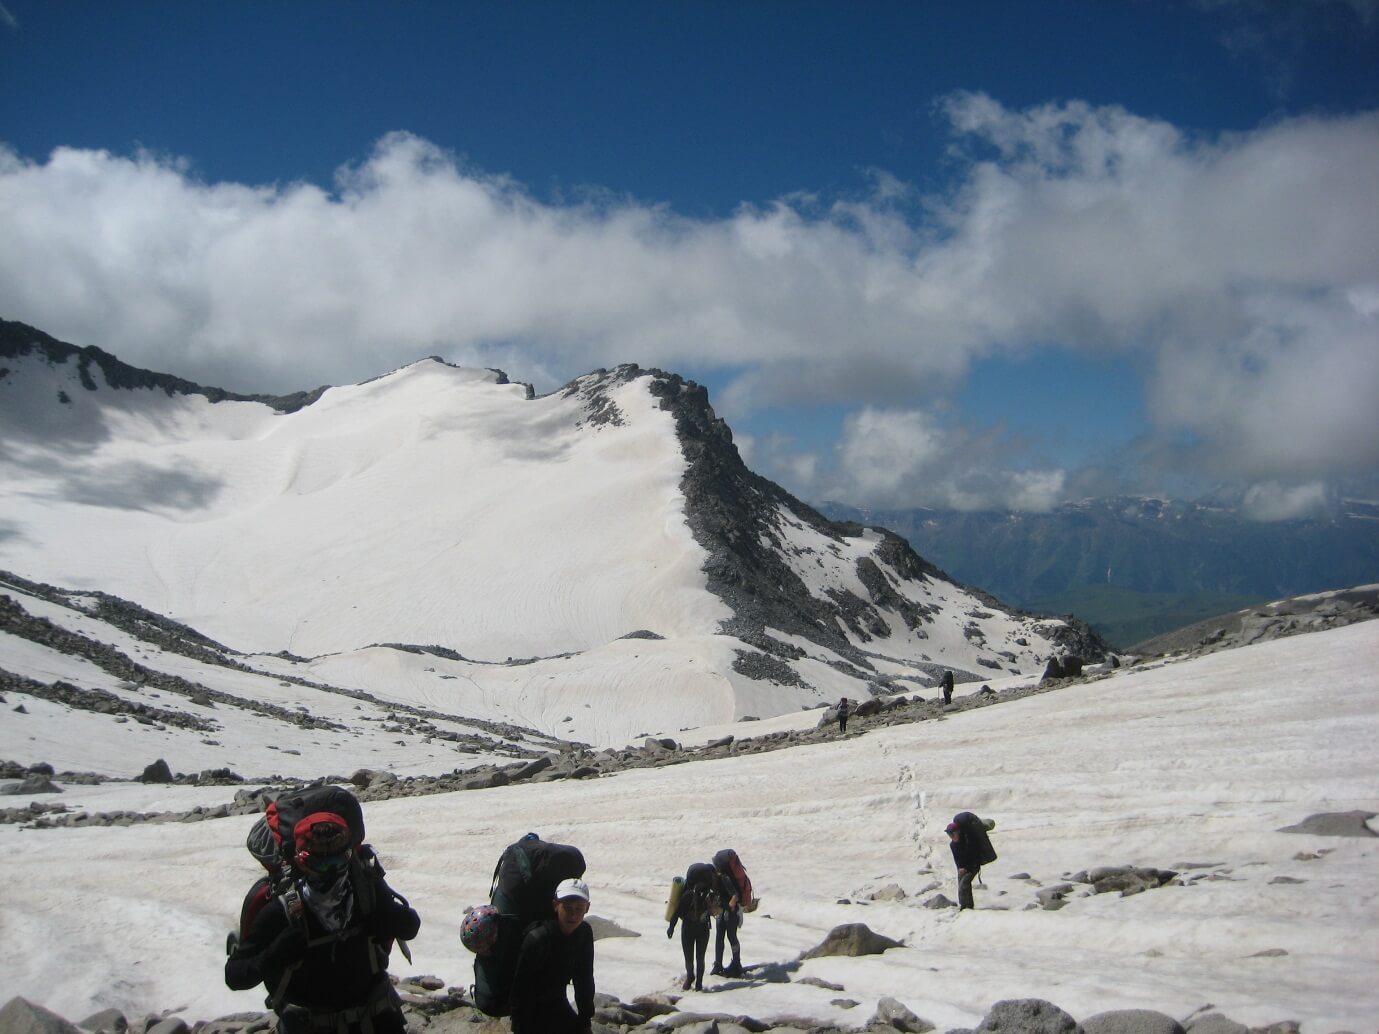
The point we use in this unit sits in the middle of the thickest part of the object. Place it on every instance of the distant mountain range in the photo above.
(1136, 567)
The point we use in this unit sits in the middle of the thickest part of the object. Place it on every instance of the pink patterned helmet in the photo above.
(479, 930)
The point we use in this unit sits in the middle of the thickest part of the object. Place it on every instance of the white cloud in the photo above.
(904, 458)
(1294, 394)
(1272, 501)
(1233, 264)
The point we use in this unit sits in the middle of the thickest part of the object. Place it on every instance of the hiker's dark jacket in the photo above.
(334, 975)
(548, 961)
(965, 854)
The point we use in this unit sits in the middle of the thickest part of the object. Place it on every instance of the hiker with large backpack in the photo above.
(967, 837)
(697, 904)
(525, 881)
(317, 931)
(556, 953)
(735, 891)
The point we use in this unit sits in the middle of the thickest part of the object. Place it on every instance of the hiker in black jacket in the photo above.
(843, 716)
(967, 860)
(556, 953)
(946, 684)
(320, 950)
(698, 905)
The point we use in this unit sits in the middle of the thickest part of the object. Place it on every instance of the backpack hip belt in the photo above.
(338, 1021)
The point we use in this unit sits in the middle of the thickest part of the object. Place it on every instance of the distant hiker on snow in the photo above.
(843, 715)
(946, 684)
(698, 903)
(971, 850)
(321, 947)
(556, 953)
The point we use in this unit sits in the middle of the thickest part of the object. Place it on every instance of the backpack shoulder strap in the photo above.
(294, 909)
(366, 875)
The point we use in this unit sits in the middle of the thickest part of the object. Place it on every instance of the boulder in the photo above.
(1027, 1016)
(1065, 667)
(1215, 1023)
(890, 1011)
(109, 1021)
(531, 768)
(1132, 1021)
(158, 772)
(890, 892)
(21, 1016)
(1334, 824)
(488, 780)
(31, 785)
(1053, 898)
(851, 939)
(652, 1005)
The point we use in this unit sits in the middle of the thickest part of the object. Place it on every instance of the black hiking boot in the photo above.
(717, 970)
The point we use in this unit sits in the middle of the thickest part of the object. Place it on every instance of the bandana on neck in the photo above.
(332, 906)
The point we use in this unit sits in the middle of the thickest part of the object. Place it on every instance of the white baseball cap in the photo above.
(572, 889)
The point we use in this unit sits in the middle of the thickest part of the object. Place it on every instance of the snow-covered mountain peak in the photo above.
(449, 508)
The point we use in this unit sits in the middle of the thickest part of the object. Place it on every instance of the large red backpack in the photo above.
(727, 862)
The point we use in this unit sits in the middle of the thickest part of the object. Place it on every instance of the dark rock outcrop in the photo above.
(1334, 824)
(851, 939)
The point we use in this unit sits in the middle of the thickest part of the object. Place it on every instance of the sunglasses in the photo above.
(327, 864)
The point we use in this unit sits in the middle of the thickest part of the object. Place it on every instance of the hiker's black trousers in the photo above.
(728, 923)
(694, 942)
(965, 879)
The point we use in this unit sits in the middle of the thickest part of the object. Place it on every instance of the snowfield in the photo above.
(1193, 765)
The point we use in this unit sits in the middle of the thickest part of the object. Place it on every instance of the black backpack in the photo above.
(524, 882)
(974, 832)
(701, 888)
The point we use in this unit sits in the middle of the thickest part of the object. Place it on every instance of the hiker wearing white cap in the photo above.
(556, 953)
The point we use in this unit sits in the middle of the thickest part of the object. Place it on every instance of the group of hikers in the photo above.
(717, 892)
(844, 707)
(318, 928)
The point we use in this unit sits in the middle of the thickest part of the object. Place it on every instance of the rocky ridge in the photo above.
(1280, 619)
(570, 761)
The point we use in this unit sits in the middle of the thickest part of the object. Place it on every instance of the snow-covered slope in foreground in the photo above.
(1199, 762)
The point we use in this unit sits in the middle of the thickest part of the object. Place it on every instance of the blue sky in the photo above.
(979, 254)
